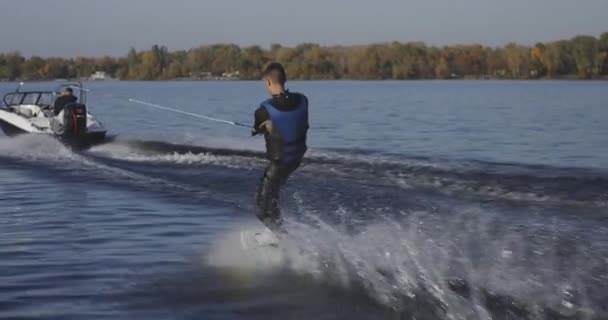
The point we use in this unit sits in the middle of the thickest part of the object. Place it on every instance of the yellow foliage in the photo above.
(537, 53)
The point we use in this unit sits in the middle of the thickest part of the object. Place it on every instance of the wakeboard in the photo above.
(258, 239)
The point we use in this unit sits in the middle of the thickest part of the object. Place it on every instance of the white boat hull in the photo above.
(13, 124)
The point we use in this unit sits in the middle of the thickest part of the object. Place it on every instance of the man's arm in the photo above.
(58, 105)
(261, 116)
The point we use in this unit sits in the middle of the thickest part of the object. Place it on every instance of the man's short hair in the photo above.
(68, 89)
(275, 72)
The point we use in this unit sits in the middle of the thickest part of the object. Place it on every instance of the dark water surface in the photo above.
(418, 200)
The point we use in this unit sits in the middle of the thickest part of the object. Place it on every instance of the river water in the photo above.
(417, 200)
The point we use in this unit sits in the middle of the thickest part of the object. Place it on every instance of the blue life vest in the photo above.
(292, 126)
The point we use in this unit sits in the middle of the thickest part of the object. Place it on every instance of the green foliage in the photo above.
(11, 65)
(584, 52)
(583, 57)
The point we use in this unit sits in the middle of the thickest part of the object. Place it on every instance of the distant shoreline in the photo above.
(583, 57)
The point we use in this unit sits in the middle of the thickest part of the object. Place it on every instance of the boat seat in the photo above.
(40, 123)
(27, 111)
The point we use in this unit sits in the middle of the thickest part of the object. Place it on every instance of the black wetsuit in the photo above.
(278, 170)
(61, 102)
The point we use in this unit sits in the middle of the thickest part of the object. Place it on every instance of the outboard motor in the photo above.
(75, 122)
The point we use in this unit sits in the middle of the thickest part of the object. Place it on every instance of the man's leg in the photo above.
(267, 198)
(286, 170)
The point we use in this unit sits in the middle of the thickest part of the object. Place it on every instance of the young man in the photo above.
(283, 119)
(66, 97)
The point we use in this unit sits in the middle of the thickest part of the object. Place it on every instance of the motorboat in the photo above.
(25, 111)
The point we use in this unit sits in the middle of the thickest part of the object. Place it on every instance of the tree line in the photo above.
(582, 57)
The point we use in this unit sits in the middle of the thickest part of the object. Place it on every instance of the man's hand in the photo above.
(264, 127)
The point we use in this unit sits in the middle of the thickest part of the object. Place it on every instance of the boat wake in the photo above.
(34, 147)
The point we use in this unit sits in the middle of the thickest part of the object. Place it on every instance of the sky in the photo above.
(70, 28)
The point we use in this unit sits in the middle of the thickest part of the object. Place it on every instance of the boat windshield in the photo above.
(39, 98)
(46, 99)
(31, 98)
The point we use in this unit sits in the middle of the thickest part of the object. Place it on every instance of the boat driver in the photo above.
(66, 97)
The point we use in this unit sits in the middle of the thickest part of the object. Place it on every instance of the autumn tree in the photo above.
(11, 66)
(442, 69)
(518, 58)
(497, 63)
(536, 63)
(603, 53)
(54, 68)
(409, 61)
(584, 52)
(177, 66)
(252, 62)
(32, 68)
